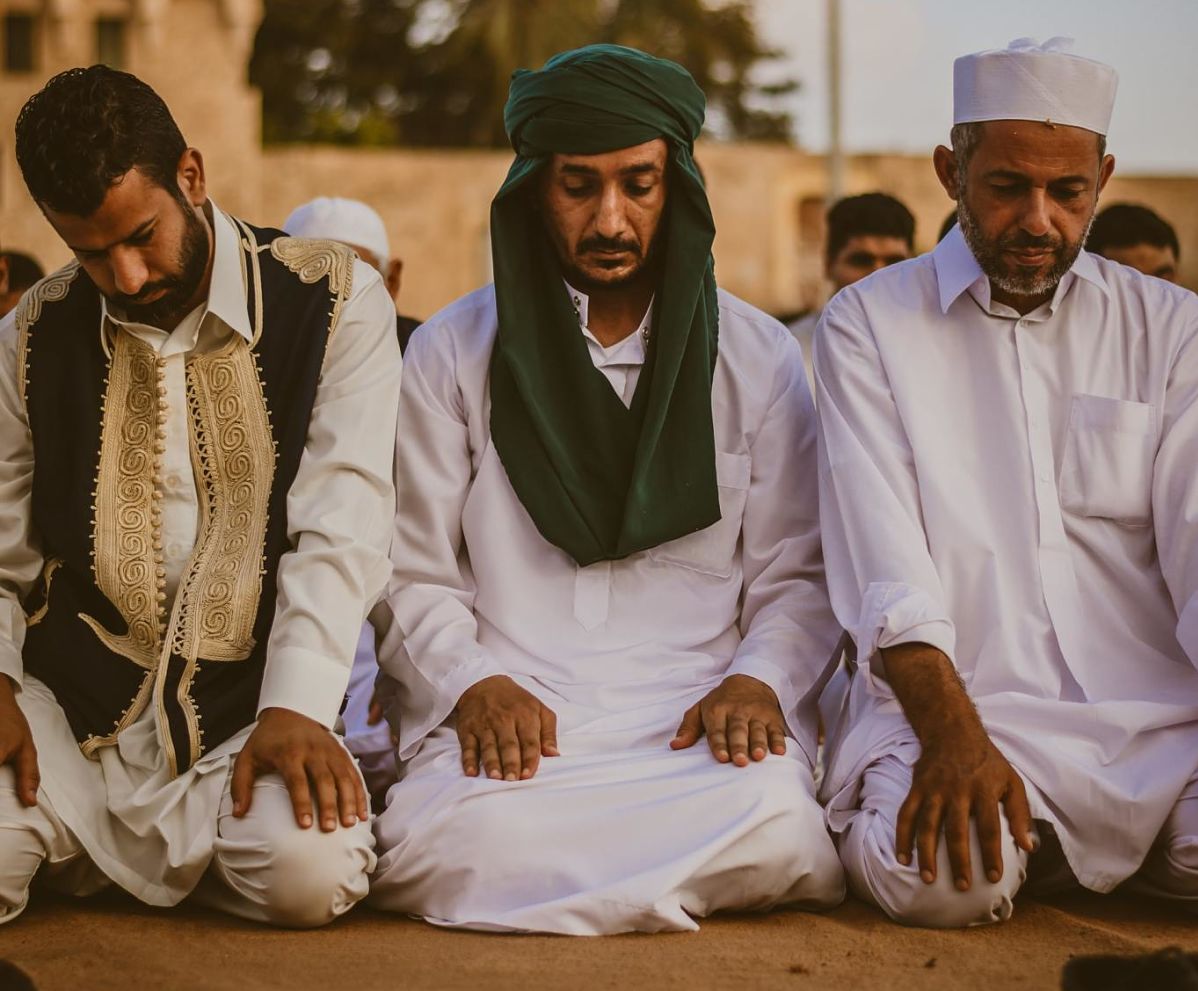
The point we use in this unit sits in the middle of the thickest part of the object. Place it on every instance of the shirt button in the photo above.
(174, 482)
(175, 550)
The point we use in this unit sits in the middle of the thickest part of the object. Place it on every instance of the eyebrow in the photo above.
(137, 232)
(1020, 177)
(640, 168)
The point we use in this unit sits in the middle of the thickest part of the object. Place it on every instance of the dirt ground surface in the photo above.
(111, 943)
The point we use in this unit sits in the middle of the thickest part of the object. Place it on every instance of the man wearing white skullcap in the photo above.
(1009, 509)
(356, 224)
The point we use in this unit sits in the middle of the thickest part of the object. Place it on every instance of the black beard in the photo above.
(166, 311)
(989, 254)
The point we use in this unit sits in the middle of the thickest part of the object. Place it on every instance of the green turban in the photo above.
(602, 481)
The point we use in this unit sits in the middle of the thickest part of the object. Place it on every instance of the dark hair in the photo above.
(1123, 225)
(23, 270)
(88, 127)
(869, 214)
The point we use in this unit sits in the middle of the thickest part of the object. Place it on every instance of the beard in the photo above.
(990, 254)
(179, 289)
(646, 262)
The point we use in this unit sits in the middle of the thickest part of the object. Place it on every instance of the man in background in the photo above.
(865, 233)
(1136, 236)
(23, 271)
(353, 223)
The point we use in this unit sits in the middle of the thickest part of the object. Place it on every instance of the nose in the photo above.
(610, 220)
(129, 272)
(1035, 220)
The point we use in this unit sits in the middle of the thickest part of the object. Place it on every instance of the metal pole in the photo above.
(835, 150)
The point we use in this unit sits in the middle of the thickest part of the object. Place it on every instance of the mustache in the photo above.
(1023, 240)
(600, 243)
(162, 288)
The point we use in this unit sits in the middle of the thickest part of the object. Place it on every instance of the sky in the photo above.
(897, 60)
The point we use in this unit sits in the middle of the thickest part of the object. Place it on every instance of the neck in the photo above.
(613, 314)
(1020, 304)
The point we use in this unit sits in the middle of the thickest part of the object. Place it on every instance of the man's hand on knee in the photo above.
(16, 745)
(742, 720)
(319, 772)
(967, 780)
(504, 728)
(960, 775)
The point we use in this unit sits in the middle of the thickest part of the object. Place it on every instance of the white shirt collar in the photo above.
(226, 289)
(957, 270)
(632, 350)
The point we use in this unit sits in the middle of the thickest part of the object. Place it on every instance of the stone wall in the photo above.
(767, 199)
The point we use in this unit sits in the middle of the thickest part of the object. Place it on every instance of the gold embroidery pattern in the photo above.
(313, 260)
(51, 289)
(127, 517)
(39, 614)
(233, 451)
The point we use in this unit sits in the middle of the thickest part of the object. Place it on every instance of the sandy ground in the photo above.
(111, 942)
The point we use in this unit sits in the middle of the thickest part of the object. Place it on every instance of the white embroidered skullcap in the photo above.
(337, 219)
(1029, 81)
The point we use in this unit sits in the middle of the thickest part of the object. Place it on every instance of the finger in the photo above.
(351, 796)
(490, 754)
(927, 837)
(956, 839)
(530, 749)
(242, 785)
(738, 740)
(717, 738)
(470, 748)
(509, 753)
(904, 830)
(301, 795)
(759, 739)
(989, 827)
(549, 732)
(374, 714)
(777, 734)
(28, 777)
(325, 787)
(1019, 814)
(689, 730)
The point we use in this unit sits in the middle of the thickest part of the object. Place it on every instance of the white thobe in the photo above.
(151, 833)
(803, 331)
(1020, 492)
(619, 832)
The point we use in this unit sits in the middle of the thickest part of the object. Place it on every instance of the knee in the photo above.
(305, 878)
(796, 849)
(876, 876)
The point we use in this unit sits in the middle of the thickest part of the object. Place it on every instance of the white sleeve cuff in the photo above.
(305, 682)
(891, 614)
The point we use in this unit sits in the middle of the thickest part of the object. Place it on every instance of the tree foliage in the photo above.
(435, 72)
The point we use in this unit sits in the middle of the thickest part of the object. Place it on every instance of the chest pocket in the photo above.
(712, 551)
(1107, 468)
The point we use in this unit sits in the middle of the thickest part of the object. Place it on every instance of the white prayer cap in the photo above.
(337, 219)
(1028, 81)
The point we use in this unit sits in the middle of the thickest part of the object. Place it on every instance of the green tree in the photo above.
(435, 72)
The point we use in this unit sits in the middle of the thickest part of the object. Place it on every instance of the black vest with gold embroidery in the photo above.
(100, 634)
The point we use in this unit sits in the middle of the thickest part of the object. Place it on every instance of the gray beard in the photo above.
(989, 256)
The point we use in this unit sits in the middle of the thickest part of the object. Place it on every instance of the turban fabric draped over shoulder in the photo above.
(599, 480)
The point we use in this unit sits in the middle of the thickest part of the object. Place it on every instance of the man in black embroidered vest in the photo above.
(195, 493)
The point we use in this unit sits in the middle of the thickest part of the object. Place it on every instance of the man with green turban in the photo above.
(606, 548)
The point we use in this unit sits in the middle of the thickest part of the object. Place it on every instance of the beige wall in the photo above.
(767, 200)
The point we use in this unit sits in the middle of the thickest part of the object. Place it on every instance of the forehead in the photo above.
(651, 154)
(130, 202)
(1036, 147)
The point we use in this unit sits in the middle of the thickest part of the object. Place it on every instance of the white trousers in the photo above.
(264, 867)
(874, 874)
(125, 819)
(604, 839)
